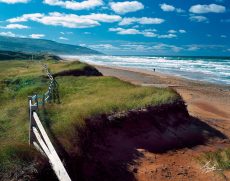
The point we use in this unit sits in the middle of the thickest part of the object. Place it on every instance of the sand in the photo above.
(208, 102)
(204, 100)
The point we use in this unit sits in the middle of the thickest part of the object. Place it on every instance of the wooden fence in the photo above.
(37, 134)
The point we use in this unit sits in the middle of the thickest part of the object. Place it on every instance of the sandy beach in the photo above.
(204, 100)
(208, 102)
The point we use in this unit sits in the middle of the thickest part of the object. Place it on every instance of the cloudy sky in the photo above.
(143, 27)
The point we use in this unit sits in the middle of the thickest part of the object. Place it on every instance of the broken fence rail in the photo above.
(37, 134)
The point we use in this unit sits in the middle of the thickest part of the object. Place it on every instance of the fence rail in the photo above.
(37, 134)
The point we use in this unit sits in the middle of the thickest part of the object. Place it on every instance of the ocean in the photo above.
(208, 69)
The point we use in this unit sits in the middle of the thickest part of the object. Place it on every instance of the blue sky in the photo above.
(142, 27)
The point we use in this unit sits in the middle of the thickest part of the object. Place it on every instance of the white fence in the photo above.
(38, 136)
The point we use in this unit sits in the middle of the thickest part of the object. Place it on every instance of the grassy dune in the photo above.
(81, 97)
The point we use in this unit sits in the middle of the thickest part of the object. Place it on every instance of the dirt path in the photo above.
(210, 103)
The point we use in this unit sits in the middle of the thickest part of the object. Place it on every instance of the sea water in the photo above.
(209, 69)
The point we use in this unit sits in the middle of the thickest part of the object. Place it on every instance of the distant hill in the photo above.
(29, 45)
(9, 55)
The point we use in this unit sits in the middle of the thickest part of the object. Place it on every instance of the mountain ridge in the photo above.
(30, 45)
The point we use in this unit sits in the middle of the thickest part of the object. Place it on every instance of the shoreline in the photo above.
(192, 70)
(164, 75)
(209, 102)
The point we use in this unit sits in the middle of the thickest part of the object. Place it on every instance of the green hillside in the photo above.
(42, 46)
(9, 55)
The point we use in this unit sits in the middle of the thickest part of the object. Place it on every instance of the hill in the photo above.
(9, 55)
(42, 46)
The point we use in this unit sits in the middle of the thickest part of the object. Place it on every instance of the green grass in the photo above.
(219, 158)
(81, 97)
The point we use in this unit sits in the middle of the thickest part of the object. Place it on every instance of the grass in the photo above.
(220, 159)
(81, 97)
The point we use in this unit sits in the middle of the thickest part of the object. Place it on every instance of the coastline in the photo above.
(165, 75)
(207, 101)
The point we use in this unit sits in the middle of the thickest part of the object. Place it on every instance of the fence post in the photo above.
(50, 94)
(30, 117)
(36, 100)
(32, 108)
(43, 100)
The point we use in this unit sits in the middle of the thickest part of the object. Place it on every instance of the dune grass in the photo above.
(85, 97)
(220, 159)
(81, 97)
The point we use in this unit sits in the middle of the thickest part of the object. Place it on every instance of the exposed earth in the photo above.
(208, 102)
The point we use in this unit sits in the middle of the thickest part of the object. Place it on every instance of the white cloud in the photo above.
(158, 48)
(126, 6)
(68, 20)
(167, 7)
(123, 31)
(103, 46)
(136, 47)
(170, 35)
(102, 17)
(136, 26)
(82, 44)
(143, 20)
(132, 31)
(178, 10)
(151, 29)
(146, 32)
(193, 48)
(170, 8)
(125, 47)
(15, 26)
(211, 8)
(37, 36)
(223, 36)
(74, 5)
(63, 38)
(162, 47)
(26, 17)
(14, 1)
(182, 31)
(172, 31)
(198, 18)
(11, 34)
(8, 33)
(66, 33)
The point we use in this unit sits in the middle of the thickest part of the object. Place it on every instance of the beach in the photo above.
(204, 100)
(208, 102)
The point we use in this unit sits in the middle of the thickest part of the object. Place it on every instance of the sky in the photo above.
(116, 27)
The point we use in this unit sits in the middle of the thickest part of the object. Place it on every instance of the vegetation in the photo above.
(9, 55)
(42, 46)
(220, 159)
(81, 97)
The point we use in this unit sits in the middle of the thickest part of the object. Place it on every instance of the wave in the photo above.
(210, 69)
